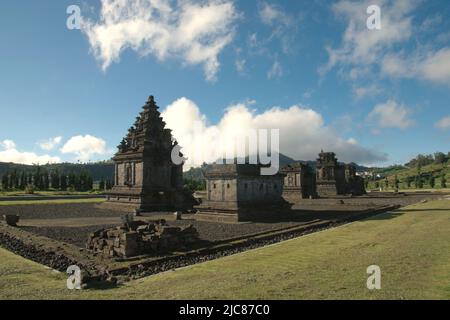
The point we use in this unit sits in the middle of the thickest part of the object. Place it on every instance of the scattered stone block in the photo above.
(177, 215)
(11, 219)
(138, 237)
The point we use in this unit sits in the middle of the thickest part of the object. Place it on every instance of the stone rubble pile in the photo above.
(138, 237)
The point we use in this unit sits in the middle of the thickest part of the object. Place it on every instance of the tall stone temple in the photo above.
(145, 176)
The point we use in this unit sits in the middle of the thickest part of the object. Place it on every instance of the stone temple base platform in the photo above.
(217, 212)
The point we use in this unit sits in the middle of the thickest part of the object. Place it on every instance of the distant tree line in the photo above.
(42, 179)
(427, 159)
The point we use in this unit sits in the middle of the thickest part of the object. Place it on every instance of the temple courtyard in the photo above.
(409, 244)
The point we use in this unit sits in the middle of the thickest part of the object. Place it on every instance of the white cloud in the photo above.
(240, 65)
(433, 66)
(84, 147)
(11, 154)
(271, 14)
(302, 132)
(360, 47)
(195, 32)
(283, 25)
(50, 143)
(364, 52)
(391, 115)
(276, 71)
(361, 92)
(8, 144)
(443, 124)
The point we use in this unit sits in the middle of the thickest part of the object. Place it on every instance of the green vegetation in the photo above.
(56, 201)
(43, 180)
(193, 185)
(410, 246)
(97, 170)
(422, 172)
(19, 193)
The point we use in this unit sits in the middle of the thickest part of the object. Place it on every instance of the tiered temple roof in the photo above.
(148, 132)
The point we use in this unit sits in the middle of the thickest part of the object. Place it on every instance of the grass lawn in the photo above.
(443, 190)
(57, 201)
(411, 246)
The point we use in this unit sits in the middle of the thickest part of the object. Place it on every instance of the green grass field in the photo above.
(410, 245)
(56, 201)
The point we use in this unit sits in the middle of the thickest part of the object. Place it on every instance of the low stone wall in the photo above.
(138, 238)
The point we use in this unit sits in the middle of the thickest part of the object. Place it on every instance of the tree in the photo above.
(408, 182)
(440, 157)
(5, 182)
(55, 179)
(432, 182)
(420, 183)
(443, 181)
(396, 182)
(37, 178)
(71, 180)
(101, 185)
(15, 183)
(108, 184)
(23, 181)
(386, 183)
(30, 179)
(63, 182)
(45, 181)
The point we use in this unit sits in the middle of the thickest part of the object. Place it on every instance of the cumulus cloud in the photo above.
(391, 115)
(303, 132)
(11, 154)
(7, 144)
(50, 143)
(443, 123)
(84, 147)
(195, 32)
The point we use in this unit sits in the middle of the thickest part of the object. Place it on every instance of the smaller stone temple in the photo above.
(145, 176)
(354, 183)
(333, 178)
(299, 182)
(238, 192)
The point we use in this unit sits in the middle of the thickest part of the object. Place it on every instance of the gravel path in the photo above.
(55, 211)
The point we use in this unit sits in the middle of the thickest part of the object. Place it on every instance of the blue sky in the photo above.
(310, 68)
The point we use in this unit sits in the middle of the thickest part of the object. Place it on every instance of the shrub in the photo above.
(29, 189)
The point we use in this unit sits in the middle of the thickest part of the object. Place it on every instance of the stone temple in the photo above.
(299, 182)
(334, 178)
(238, 192)
(145, 176)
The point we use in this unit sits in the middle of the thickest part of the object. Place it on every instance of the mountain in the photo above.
(105, 169)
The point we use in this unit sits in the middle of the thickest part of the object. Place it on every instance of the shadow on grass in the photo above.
(102, 285)
(395, 214)
(387, 215)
